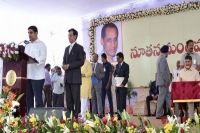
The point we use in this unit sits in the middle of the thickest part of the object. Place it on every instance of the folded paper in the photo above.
(119, 81)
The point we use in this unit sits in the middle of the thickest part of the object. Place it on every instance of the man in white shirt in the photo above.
(195, 56)
(176, 70)
(35, 71)
(58, 91)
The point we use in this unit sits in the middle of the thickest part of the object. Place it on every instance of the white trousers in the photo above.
(84, 107)
(114, 98)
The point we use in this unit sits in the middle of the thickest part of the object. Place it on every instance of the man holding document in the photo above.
(121, 75)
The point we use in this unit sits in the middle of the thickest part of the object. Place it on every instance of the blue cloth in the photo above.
(94, 80)
(107, 69)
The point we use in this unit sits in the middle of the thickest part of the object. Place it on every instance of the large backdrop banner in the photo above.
(140, 40)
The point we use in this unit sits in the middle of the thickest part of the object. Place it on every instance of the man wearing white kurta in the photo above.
(35, 71)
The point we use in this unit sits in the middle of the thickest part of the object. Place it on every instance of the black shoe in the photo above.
(100, 116)
(193, 121)
(158, 117)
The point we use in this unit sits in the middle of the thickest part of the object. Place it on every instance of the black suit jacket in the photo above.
(124, 72)
(153, 89)
(75, 59)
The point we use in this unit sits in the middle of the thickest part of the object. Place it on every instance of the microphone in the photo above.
(21, 48)
(25, 42)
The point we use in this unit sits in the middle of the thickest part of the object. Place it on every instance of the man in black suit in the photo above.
(122, 70)
(72, 61)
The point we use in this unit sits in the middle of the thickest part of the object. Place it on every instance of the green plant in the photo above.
(149, 84)
(130, 93)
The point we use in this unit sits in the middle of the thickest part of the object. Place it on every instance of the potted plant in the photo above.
(148, 84)
(130, 94)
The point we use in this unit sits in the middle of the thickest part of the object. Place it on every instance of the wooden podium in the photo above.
(14, 76)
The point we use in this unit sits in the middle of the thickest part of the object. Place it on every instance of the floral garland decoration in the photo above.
(165, 10)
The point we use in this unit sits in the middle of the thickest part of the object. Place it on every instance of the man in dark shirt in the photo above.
(153, 95)
(106, 83)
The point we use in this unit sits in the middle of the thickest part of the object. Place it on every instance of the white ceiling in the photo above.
(59, 8)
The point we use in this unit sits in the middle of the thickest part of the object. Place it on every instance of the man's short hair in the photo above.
(47, 65)
(58, 68)
(170, 74)
(110, 25)
(104, 56)
(34, 28)
(84, 53)
(188, 57)
(187, 43)
(75, 32)
(96, 55)
(120, 55)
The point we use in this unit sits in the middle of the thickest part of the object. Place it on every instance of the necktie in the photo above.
(93, 67)
(70, 48)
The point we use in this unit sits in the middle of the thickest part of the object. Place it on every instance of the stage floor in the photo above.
(155, 122)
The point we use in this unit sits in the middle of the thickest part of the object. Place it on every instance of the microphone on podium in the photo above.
(25, 42)
(21, 48)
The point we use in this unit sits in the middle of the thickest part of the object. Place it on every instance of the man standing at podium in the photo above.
(35, 71)
(189, 73)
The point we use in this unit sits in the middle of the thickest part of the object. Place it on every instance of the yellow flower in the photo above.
(62, 125)
(6, 105)
(188, 120)
(32, 119)
(88, 115)
(86, 127)
(75, 125)
(53, 118)
(15, 124)
(1, 120)
(168, 127)
(96, 123)
(115, 119)
(131, 129)
(149, 130)
(53, 111)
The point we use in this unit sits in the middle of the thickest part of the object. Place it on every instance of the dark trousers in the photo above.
(58, 100)
(109, 95)
(121, 93)
(34, 88)
(148, 99)
(73, 99)
(90, 105)
(48, 96)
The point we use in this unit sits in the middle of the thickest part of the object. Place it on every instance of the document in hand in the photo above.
(94, 80)
(119, 81)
